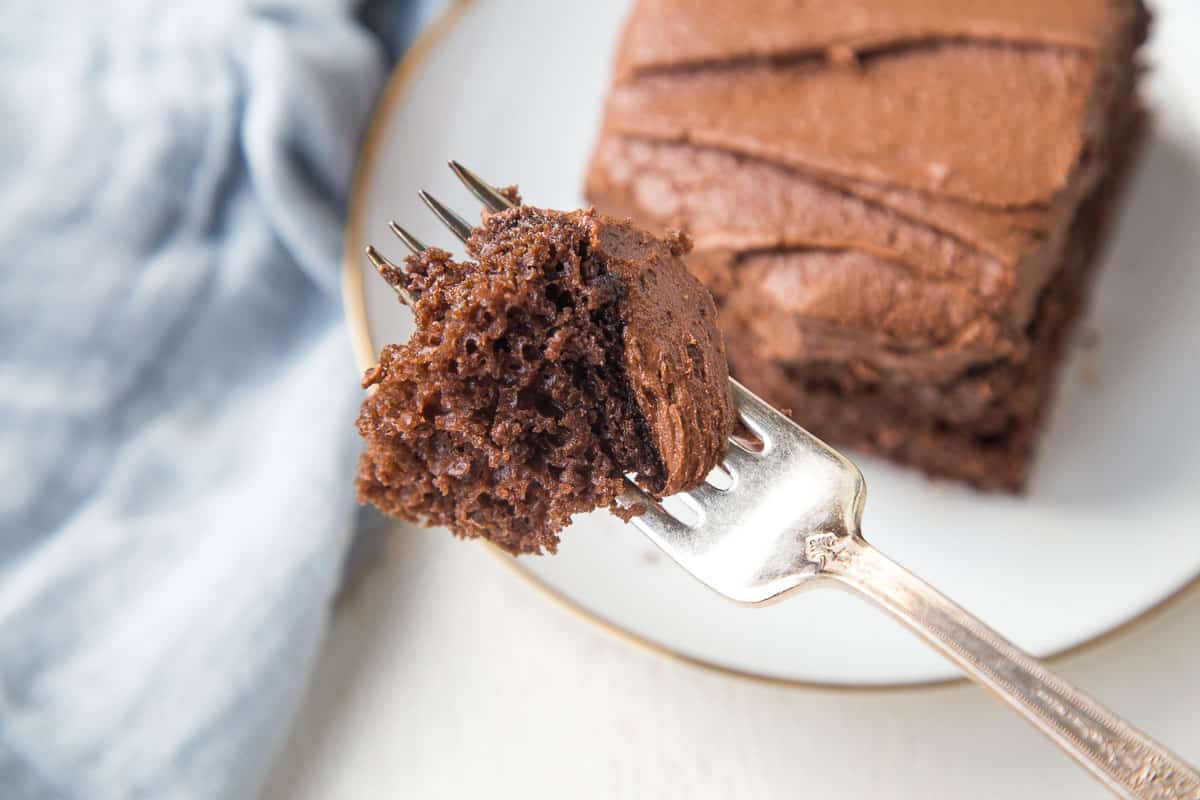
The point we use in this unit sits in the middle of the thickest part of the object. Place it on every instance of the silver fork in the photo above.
(789, 519)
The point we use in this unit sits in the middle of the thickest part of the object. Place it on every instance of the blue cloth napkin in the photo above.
(177, 390)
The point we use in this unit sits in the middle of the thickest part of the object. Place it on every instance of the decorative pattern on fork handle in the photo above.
(1127, 761)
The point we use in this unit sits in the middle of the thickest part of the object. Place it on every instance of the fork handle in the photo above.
(1124, 759)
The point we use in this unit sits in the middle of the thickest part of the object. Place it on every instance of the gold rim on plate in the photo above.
(354, 304)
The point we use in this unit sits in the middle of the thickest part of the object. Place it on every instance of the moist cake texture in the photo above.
(569, 350)
(897, 203)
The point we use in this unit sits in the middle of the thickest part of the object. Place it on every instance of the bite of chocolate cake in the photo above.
(568, 351)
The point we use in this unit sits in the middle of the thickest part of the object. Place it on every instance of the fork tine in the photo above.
(382, 265)
(705, 496)
(487, 194)
(654, 521)
(414, 245)
(457, 225)
(737, 459)
(755, 412)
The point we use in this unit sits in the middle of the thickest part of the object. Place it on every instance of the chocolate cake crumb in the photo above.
(570, 350)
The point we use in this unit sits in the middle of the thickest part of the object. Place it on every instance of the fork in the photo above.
(789, 518)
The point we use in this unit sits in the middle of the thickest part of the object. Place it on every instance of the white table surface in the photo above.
(445, 675)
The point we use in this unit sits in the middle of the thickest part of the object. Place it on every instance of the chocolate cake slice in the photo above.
(569, 351)
(897, 203)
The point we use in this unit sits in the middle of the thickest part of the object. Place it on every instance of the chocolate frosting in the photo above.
(880, 286)
(999, 128)
(883, 183)
(674, 357)
(669, 34)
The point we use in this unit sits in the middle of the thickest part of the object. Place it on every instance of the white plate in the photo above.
(1108, 528)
